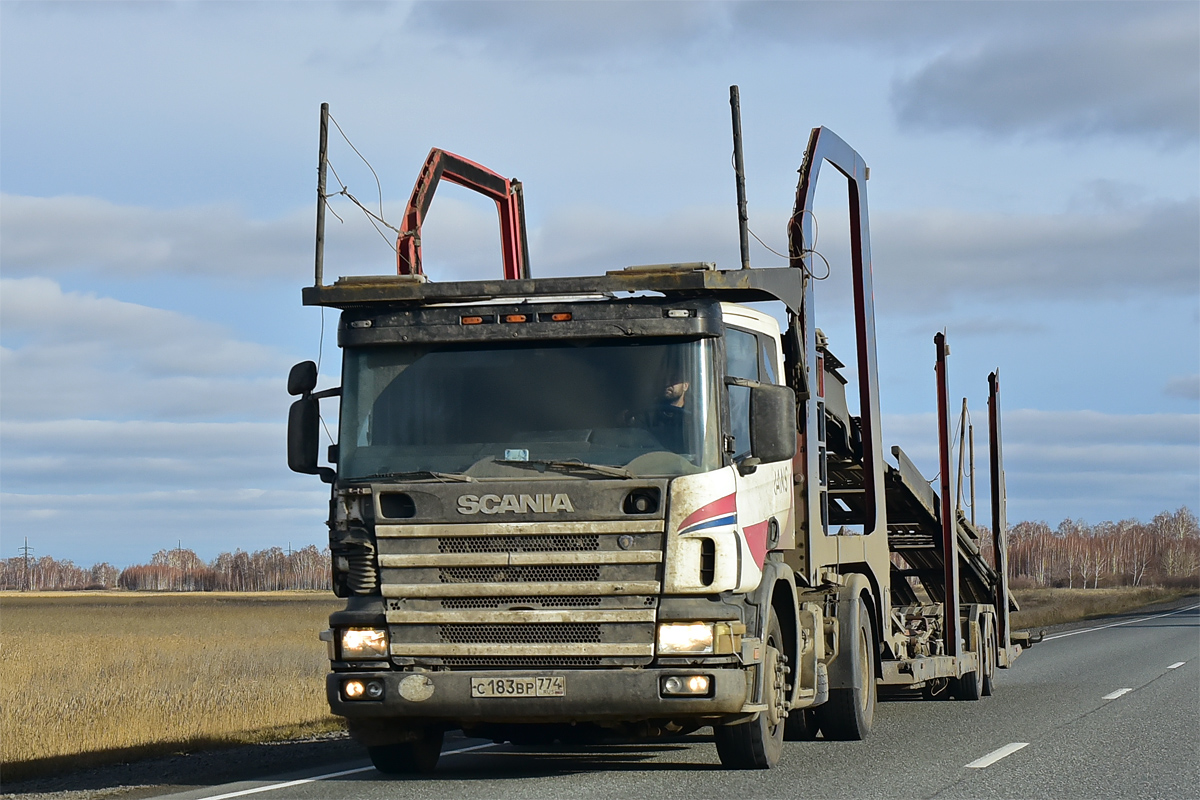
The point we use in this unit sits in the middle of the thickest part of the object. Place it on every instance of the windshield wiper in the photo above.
(569, 466)
(420, 474)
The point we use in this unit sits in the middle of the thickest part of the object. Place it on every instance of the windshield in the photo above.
(647, 405)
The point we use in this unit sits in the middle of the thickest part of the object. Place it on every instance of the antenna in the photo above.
(319, 266)
(735, 105)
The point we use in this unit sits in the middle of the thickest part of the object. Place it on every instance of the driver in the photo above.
(672, 416)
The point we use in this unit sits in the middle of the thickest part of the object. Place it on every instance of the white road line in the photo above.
(1116, 624)
(1116, 694)
(1177, 665)
(996, 755)
(274, 786)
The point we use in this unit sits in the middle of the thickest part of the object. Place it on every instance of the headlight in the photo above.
(685, 637)
(364, 643)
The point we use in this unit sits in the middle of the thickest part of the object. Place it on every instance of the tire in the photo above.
(970, 686)
(408, 758)
(758, 744)
(990, 648)
(849, 713)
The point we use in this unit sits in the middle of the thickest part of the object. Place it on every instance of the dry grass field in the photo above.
(1044, 607)
(94, 677)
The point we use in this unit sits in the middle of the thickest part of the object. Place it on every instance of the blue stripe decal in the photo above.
(729, 519)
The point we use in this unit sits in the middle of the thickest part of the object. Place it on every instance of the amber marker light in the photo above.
(472, 320)
(516, 318)
(560, 317)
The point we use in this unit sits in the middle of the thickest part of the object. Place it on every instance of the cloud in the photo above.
(1059, 69)
(71, 355)
(1138, 78)
(103, 456)
(56, 234)
(574, 33)
(927, 253)
(1107, 249)
(1076, 464)
(1185, 386)
(920, 257)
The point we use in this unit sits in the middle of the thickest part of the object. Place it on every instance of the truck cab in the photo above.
(558, 509)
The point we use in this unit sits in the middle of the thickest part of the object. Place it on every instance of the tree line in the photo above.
(178, 570)
(1164, 551)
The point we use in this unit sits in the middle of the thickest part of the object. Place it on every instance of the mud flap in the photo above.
(844, 669)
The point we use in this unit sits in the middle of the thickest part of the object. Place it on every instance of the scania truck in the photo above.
(632, 504)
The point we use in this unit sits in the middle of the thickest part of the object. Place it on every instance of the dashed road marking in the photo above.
(271, 787)
(1116, 694)
(1177, 665)
(996, 755)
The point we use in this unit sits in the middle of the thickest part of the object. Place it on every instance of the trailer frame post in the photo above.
(952, 631)
(999, 510)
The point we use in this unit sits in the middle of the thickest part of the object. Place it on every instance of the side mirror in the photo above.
(772, 423)
(303, 437)
(302, 379)
(303, 434)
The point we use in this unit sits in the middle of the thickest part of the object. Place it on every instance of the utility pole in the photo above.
(25, 551)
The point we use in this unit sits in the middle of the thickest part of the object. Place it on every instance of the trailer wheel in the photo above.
(849, 713)
(408, 758)
(758, 744)
(970, 686)
(989, 671)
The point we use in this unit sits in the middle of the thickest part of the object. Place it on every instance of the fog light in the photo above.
(374, 690)
(687, 685)
(353, 689)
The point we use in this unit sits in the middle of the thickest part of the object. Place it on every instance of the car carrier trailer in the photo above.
(630, 504)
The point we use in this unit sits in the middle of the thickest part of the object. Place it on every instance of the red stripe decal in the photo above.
(717, 508)
(756, 540)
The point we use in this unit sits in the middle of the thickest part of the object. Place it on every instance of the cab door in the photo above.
(763, 491)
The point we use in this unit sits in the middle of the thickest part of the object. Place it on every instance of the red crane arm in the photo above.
(510, 203)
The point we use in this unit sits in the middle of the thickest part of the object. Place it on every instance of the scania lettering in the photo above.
(511, 503)
(635, 504)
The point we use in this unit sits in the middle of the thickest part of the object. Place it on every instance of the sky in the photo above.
(1034, 191)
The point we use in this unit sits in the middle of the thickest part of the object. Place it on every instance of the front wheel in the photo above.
(758, 744)
(409, 758)
(849, 713)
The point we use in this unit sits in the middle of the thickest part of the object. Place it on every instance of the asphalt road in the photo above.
(1110, 710)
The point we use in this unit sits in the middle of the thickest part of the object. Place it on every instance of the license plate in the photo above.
(552, 686)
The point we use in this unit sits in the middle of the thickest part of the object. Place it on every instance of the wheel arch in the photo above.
(776, 594)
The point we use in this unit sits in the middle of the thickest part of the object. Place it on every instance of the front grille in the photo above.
(568, 633)
(540, 573)
(523, 594)
(518, 544)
